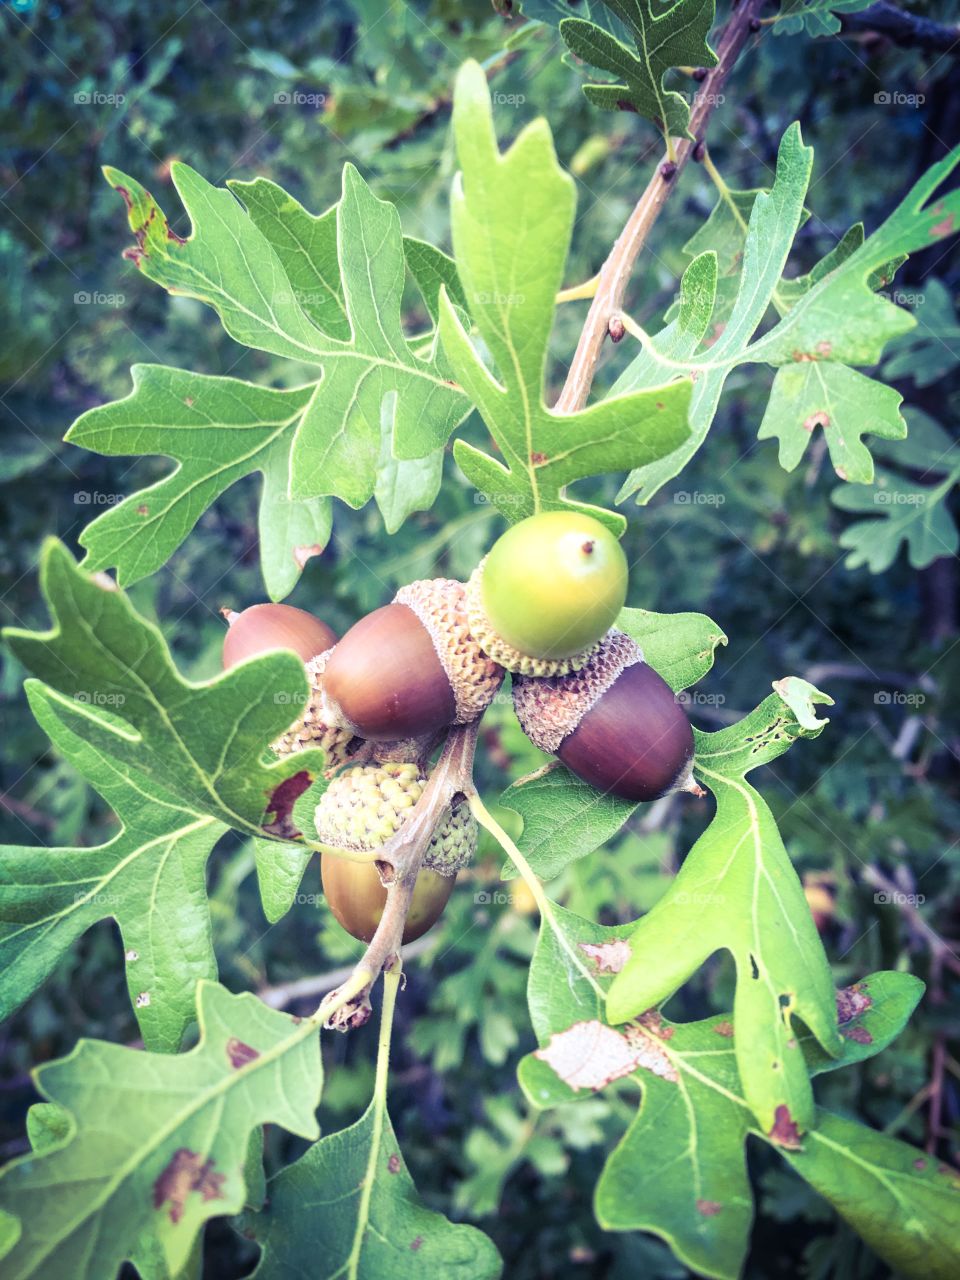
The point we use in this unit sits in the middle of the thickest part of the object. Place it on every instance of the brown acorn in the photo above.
(265, 627)
(615, 723)
(412, 667)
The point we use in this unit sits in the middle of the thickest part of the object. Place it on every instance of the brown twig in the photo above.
(399, 863)
(615, 272)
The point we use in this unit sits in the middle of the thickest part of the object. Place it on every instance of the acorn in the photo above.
(264, 628)
(615, 723)
(361, 810)
(548, 591)
(411, 667)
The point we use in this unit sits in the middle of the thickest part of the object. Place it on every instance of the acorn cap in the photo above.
(495, 647)
(441, 606)
(365, 805)
(318, 725)
(550, 709)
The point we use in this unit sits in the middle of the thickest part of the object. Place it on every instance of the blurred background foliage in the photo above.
(868, 811)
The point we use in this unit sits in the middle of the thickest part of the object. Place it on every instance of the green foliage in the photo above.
(158, 1142)
(666, 36)
(341, 385)
(512, 220)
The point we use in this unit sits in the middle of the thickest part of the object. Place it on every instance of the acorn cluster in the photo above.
(541, 605)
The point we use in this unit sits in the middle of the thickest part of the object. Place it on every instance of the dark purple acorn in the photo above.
(615, 723)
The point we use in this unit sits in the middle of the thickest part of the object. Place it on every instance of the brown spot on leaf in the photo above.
(818, 419)
(416, 1243)
(724, 1029)
(920, 1163)
(133, 255)
(188, 401)
(858, 1034)
(851, 1003)
(784, 1131)
(240, 1054)
(280, 804)
(943, 228)
(538, 459)
(709, 1208)
(393, 1164)
(624, 105)
(186, 1171)
(801, 357)
(824, 348)
(143, 509)
(125, 196)
(172, 235)
(609, 957)
(303, 554)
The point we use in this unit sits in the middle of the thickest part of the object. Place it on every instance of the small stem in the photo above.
(544, 905)
(486, 819)
(391, 984)
(577, 291)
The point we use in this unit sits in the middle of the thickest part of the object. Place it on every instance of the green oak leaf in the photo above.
(512, 217)
(218, 430)
(306, 245)
(835, 317)
(204, 745)
(844, 404)
(814, 17)
(158, 1142)
(931, 350)
(737, 890)
(910, 509)
(350, 1208)
(680, 1170)
(666, 35)
(237, 261)
(565, 819)
(150, 878)
(178, 763)
(774, 220)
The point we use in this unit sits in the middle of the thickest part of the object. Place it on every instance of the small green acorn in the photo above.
(547, 592)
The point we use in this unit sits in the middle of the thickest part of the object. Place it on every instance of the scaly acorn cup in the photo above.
(361, 810)
(547, 592)
(615, 723)
(318, 725)
(412, 667)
